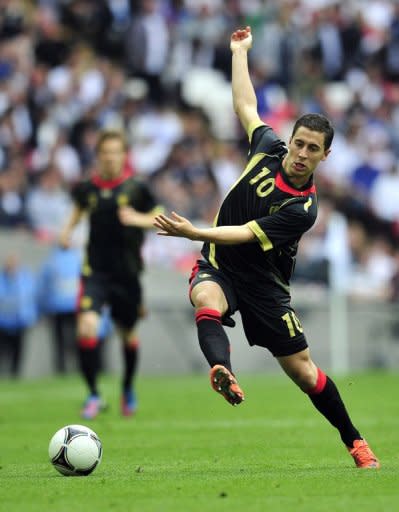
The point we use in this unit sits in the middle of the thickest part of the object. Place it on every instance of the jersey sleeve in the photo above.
(287, 224)
(79, 194)
(263, 139)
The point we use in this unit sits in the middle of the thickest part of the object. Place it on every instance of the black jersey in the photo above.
(273, 209)
(112, 247)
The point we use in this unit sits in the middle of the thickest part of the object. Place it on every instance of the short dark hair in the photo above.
(111, 134)
(316, 123)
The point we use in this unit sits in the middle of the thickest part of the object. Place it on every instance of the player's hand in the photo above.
(175, 225)
(241, 38)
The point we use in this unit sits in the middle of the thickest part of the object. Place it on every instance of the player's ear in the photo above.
(326, 153)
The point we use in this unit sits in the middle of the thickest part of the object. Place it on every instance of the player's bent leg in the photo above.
(210, 306)
(89, 358)
(325, 396)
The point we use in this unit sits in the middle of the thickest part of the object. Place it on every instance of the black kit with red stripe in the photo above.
(113, 248)
(275, 211)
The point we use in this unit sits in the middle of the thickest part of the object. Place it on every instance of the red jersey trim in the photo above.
(107, 184)
(282, 185)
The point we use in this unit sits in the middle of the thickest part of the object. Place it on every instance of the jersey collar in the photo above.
(283, 184)
(102, 183)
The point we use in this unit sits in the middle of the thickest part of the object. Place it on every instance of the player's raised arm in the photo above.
(244, 99)
(179, 226)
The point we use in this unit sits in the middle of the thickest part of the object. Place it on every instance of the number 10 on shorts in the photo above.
(293, 324)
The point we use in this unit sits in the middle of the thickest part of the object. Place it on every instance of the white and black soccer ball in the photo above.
(75, 450)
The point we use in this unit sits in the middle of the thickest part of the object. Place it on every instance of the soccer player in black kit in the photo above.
(249, 255)
(112, 263)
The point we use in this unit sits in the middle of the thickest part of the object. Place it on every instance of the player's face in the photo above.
(111, 157)
(305, 152)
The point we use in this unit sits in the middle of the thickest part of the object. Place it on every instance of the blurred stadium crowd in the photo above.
(160, 70)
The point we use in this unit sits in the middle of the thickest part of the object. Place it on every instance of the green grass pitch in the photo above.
(189, 450)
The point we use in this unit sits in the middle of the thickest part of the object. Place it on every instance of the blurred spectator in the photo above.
(146, 47)
(48, 205)
(52, 42)
(373, 272)
(58, 289)
(384, 195)
(324, 256)
(12, 195)
(17, 310)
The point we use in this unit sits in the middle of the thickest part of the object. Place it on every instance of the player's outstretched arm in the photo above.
(179, 226)
(244, 98)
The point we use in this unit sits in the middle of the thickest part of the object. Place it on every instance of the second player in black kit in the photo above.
(113, 261)
(112, 264)
(249, 255)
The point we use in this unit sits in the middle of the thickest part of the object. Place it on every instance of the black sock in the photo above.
(89, 358)
(327, 400)
(212, 338)
(131, 353)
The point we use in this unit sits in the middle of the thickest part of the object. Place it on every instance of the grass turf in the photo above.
(188, 450)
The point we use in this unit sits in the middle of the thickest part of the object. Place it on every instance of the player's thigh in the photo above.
(94, 290)
(211, 288)
(125, 301)
(93, 295)
(209, 294)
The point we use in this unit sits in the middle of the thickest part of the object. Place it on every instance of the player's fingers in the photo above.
(176, 216)
(164, 221)
(165, 225)
(160, 220)
(163, 217)
(157, 222)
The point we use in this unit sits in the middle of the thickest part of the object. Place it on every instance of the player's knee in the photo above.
(306, 378)
(202, 300)
(206, 299)
(87, 326)
(303, 373)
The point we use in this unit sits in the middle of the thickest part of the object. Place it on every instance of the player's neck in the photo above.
(297, 182)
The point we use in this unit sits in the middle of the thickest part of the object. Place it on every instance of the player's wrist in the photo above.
(240, 50)
(196, 235)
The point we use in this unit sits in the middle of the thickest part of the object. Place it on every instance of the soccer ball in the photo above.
(75, 450)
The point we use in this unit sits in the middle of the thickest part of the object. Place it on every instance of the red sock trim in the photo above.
(87, 342)
(208, 314)
(320, 384)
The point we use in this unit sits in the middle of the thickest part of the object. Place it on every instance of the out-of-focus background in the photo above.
(160, 70)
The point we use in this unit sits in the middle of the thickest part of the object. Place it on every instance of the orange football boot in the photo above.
(224, 382)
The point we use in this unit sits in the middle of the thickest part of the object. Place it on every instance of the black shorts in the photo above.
(122, 295)
(267, 317)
